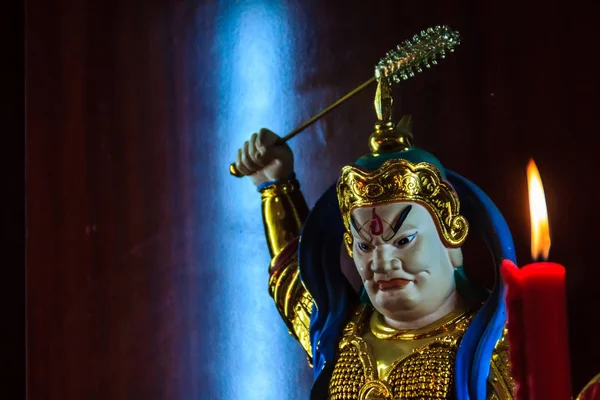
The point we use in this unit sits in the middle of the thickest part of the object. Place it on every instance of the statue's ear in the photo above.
(456, 256)
(348, 241)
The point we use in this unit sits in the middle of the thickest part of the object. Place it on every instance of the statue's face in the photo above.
(406, 269)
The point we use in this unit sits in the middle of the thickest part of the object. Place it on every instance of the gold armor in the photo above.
(284, 211)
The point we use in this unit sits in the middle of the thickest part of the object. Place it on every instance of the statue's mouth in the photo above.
(393, 283)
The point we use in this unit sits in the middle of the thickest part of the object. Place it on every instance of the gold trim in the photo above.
(594, 380)
(401, 180)
(375, 390)
(381, 330)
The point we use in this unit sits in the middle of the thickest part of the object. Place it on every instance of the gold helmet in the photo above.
(395, 171)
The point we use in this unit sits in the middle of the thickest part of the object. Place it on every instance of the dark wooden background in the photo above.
(123, 97)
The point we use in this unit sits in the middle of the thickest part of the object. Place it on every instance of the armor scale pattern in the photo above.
(348, 376)
(424, 375)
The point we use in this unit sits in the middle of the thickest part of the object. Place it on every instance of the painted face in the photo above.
(405, 268)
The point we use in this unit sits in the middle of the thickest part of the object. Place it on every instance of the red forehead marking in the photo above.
(376, 224)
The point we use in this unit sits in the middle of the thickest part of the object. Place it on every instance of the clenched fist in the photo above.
(263, 160)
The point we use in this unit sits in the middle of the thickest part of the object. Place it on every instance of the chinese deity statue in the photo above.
(417, 328)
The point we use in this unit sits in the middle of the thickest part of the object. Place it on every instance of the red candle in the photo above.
(537, 330)
(516, 331)
(537, 314)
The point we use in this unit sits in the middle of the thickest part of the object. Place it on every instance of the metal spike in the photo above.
(412, 56)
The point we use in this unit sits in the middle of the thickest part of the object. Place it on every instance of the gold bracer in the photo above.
(401, 180)
(284, 212)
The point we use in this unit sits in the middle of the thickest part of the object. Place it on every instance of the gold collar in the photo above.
(448, 323)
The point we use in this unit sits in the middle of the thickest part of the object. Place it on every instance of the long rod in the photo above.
(326, 111)
(233, 170)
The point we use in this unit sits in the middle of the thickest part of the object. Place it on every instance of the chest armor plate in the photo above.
(425, 372)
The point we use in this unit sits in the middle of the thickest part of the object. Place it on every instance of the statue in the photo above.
(418, 328)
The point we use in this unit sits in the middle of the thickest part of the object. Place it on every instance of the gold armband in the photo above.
(284, 211)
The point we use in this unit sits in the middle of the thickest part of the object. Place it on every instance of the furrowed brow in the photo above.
(400, 220)
(354, 224)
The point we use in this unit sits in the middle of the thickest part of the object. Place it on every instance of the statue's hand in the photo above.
(263, 160)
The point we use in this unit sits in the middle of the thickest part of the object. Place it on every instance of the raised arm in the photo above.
(270, 167)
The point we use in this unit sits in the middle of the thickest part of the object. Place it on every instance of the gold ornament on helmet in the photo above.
(398, 178)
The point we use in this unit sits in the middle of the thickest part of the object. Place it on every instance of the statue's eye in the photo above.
(405, 240)
(364, 246)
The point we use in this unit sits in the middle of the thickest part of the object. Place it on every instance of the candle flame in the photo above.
(540, 230)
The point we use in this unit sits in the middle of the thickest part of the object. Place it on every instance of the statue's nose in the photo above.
(383, 262)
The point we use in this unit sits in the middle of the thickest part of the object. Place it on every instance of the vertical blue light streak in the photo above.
(257, 359)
